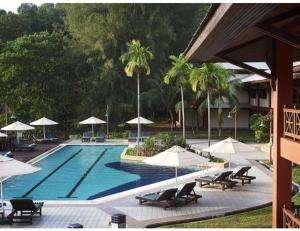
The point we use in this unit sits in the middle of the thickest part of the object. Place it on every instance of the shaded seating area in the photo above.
(164, 199)
(146, 134)
(86, 137)
(132, 136)
(23, 210)
(49, 138)
(221, 179)
(242, 174)
(23, 146)
(100, 137)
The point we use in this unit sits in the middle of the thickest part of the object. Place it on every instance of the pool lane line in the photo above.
(85, 174)
(51, 173)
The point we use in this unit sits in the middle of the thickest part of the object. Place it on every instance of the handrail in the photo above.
(289, 219)
(291, 128)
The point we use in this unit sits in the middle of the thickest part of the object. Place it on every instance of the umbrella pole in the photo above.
(92, 130)
(229, 161)
(176, 175)
(2, 206)
(44, 131)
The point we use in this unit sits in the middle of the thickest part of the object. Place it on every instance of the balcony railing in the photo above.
(290, 219)
(291, 123)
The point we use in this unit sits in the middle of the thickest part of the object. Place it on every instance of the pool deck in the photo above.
(214, 202)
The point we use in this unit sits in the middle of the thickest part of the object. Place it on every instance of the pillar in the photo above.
(283, 95)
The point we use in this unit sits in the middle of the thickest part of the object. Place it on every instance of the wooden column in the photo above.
(283, 95)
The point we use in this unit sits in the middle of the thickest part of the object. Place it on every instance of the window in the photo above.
(262, 93)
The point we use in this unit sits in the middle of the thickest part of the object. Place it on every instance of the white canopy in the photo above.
(142, 121)
(17, 126)
(229, 146)
(43, 122)
(3, 134)
(12, 167)
(92, 120)
(176, 156)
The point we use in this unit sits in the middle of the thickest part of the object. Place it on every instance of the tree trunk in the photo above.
(138, 112)
(172, 119)
(208, 116)
(197, 117)
(220, 120)
(182, 109)
(220, 117)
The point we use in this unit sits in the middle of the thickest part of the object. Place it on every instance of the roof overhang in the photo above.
(239, 33)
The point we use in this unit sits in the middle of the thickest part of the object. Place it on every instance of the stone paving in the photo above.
(214, 202)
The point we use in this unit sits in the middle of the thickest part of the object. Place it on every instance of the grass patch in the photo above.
(259, 218)
(296, 199)
(296, 174)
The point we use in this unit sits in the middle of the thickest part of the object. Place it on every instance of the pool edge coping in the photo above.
(114, 196)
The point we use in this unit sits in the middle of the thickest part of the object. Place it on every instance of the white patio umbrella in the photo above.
(142, 121)
(18, 127)
(12, 167)
(176, 156)
(43, 122)
(230, 146)
(3, 134)
(92, 120)
(139, 120)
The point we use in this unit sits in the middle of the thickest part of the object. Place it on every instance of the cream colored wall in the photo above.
(242, 95)
(242, 119)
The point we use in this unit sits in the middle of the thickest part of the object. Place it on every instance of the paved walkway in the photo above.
(214, 202)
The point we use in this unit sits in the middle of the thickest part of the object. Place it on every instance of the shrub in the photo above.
(259, 124)
(131, 151)
(215, 159)
(158, 143)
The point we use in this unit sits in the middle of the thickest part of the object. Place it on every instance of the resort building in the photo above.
(240, 33)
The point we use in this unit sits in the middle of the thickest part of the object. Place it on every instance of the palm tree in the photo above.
(226, 92)
(179, 73)
(208, 79)
(137, 58)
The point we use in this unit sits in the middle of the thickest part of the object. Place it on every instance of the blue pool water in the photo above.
(80, 172)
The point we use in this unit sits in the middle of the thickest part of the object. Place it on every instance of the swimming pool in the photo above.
(84, 172)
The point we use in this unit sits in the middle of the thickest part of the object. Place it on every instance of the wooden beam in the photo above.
(229, 50)
(283, 16)
(244, 66)
(280, 35)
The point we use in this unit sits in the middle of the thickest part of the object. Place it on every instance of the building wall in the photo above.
(242, 95)
(242, 119)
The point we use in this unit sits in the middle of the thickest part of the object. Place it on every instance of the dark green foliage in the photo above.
(157, 143)
(215, 159)
(260, 125)
(40, 77)
(62, 61)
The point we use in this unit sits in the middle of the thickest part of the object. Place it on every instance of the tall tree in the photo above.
(102, 30)
(208, 79)
(179, 73)
(40, 76)
(137, 58)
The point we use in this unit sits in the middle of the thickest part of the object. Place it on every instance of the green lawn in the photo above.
(296, 174)
(259, 218)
